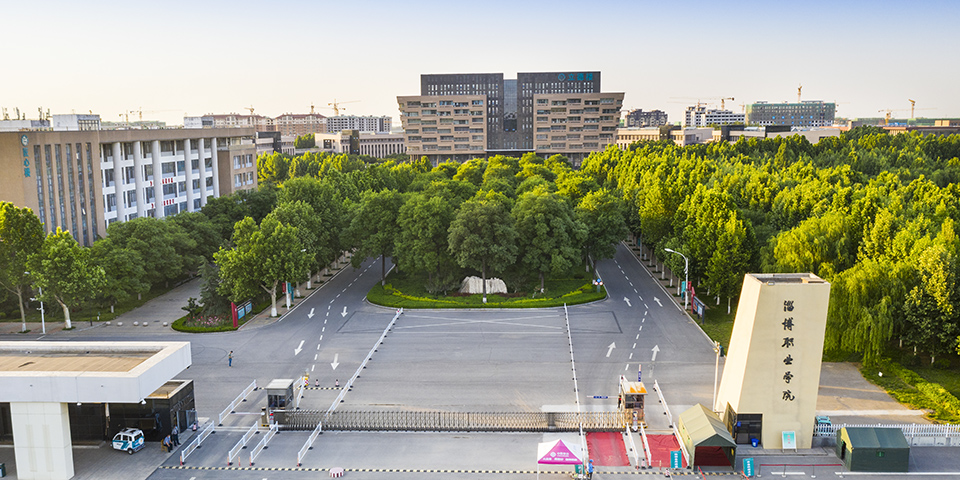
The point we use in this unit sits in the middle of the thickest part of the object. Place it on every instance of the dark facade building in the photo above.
(809, 113)
(640, 119)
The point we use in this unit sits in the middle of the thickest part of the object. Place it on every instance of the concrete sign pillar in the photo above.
(773, 365)
(41, 434)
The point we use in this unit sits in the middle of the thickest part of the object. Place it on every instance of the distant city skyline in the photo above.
(179, 58)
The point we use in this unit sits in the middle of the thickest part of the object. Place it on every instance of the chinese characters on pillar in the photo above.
(788, 343)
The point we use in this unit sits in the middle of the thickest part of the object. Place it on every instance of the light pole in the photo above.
(716, 371)
(686, 276)
(43, 323)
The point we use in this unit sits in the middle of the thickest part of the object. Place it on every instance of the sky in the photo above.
(174, 57)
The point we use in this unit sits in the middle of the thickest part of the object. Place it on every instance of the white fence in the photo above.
(915, 433)
(656, 386)
(194, 444)
(236, 401)
(309, 443)
(633, 446)
(647, 454)
(263, 442)
(235, 451)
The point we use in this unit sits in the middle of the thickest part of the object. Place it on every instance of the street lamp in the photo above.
(43, 323)
(716, 371)
(686, 275)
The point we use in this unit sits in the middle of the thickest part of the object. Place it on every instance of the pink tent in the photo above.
(558, 453)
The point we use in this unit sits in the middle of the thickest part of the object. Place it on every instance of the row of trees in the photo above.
(872, 213)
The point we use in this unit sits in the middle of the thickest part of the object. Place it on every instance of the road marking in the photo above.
(315, 355)
(656, 348)
(634, 345)
(655, 299)
(313, 367)
(296, 351)
(310, 315)
(638, 337)
(324, 329)
(635, 291)
(628, 278)
(631, 356)
(626, 367)
(328, 306)
(318, 345)
(625, 299)
(641, 328)
(331, 301)
(321, 339)
(344, 290)
(344, 314)
(631, 284)
(641, 296)
(610, 348)
(336, 363)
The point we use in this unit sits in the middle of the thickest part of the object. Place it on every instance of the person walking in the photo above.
(318, 382)
(590, 469)
(175, 436)
(230, 359)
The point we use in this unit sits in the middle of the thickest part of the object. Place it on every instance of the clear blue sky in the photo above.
(197, 57)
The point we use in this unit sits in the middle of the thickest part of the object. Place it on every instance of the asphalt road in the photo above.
(451, 360)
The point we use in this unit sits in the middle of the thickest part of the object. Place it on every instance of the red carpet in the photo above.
(607, 449)
(660, 447)
(711, 457)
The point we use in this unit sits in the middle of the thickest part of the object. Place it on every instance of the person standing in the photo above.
(230, 359)
(175, 435)
(590, 469)
(167, 443)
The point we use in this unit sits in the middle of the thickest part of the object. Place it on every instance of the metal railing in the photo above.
(441, 421)
(647, 454)
(915, 433)
(656, 386)
(309, 443)
(235, 451)
(633, 447)
(263, 443)
(236, 401)
(194, 444)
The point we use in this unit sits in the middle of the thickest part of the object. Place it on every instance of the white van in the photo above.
(129, 439)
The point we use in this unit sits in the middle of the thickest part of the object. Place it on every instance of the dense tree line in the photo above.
(872, 213)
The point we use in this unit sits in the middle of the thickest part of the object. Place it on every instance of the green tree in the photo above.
(21, 235)
(62, 270)
(163, 246)
(549, 236)
(301, 215)
(123, 271)
(482, 235)
(730, 260)
(601, 213)
(422, 243)
(263, 256)
(214, 303)
(930, 307)
(305, 141)
(374, 228)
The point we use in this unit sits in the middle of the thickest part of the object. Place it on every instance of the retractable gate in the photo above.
(437, 421)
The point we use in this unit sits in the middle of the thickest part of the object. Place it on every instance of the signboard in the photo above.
(676, 459)
(747, 467)
(697, 307)
(639, 372)
(789, 439)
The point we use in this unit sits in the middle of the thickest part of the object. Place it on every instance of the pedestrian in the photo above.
(167, 443)
(175, 435)
(590, 469)
(338, 383)
(230, 359)
(318, 383)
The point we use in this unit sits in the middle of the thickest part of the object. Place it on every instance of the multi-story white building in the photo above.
(363, 124)
(83, 180)
(699, 116)
(377, 145)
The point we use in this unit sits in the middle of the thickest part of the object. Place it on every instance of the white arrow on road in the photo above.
(656, 348)
(625, 299)
(610, 348)
(310, 315)
(296, 351)
(655, 299)
(335, 364)
(344, 313)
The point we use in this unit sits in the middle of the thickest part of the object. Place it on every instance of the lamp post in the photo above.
(716, 371)
(686, 275)
(43, 323)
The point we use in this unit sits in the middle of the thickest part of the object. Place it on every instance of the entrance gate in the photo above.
(435, 421)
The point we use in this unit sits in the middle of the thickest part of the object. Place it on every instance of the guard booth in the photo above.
(279, 396)
(873, 449)
(631, 400)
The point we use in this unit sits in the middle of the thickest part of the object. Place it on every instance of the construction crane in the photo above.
(335, 105)
(723, 102)
(799, 89)
(913, 103)
(249, 108)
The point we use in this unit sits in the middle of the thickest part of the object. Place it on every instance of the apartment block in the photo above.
(462, 116)
(699, 116)
(640, 119)
(376, 145)
(809, 113)
(369, 124)
(83, 180)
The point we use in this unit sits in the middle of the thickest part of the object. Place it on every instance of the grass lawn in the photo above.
(718, 325)
(408, 291)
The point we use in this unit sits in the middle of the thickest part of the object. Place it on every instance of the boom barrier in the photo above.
(438, 421)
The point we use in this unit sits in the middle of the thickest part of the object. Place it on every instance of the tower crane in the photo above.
(799, 89)
(335, 105)
(723, 102)
(249, 108)
(913, 103)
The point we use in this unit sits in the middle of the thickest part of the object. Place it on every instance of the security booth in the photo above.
(873, 449)
(631, 399)
(279, 393)
(706, 438)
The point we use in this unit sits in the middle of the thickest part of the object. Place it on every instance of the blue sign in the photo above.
(675, 459)
(748, 467)
(600, 396)
(578, 77)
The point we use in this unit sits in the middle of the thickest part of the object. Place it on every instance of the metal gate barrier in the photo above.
(438, 421)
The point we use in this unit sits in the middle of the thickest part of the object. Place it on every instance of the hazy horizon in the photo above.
(181, 58)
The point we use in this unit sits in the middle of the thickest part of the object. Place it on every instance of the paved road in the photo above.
(467, 360)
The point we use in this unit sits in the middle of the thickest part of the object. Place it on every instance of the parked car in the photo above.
(823, 420)
(128, 439)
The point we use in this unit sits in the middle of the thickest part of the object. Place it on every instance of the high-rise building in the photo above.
(83, 180)
(699, 116)
(808, 113)
(462, 116)
(640, 119)
(368, 124)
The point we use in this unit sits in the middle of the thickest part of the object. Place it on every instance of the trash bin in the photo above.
(755, 442)
(3, 470)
